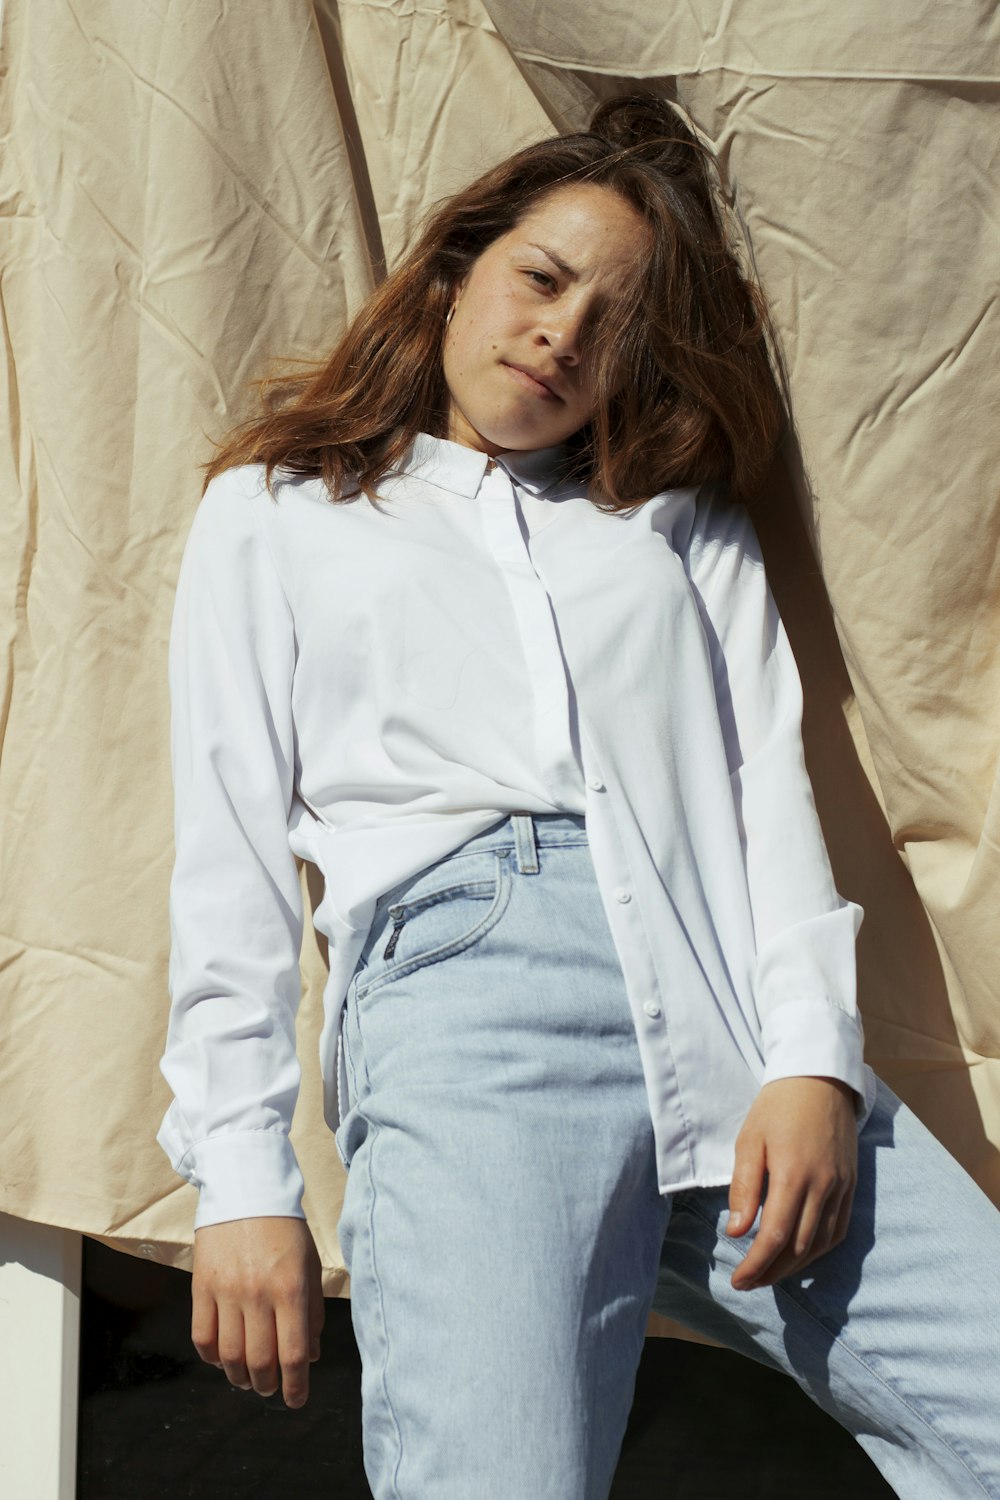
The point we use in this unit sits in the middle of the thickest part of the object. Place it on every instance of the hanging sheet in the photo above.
(190, 190)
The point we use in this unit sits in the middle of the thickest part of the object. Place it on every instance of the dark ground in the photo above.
(157, 1424)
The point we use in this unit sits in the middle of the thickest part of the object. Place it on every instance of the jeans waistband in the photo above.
(526, 832)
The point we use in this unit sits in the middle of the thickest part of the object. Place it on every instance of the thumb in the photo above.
(746, 1187)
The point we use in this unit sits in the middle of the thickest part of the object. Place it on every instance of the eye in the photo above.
(541, 278)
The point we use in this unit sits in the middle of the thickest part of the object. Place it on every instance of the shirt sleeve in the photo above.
(235, 900)
(805, 976)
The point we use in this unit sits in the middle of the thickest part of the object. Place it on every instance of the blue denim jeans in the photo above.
(506, 1238)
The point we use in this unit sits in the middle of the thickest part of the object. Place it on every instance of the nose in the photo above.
(562, 332)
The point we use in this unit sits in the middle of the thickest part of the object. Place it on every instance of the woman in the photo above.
(498, 654)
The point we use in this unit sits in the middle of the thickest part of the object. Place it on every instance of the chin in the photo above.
(510, 439)
(501, 429)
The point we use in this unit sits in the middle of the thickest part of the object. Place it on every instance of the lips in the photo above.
(532, 380)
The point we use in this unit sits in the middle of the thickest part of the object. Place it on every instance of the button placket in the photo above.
(671, 1124)
(535, 621)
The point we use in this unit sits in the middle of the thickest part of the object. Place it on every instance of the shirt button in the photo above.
(621, 894)
(651, 1008)
(595, 783)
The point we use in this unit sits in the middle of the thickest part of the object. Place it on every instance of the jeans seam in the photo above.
(375, 1133)
(805, 1307)
(352, 1070)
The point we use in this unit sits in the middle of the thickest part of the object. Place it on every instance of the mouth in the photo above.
(531, 382)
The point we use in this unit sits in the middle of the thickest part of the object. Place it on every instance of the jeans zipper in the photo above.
(398, 921)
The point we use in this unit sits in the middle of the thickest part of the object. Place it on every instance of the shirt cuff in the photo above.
(245, 1175)
(817, 1039)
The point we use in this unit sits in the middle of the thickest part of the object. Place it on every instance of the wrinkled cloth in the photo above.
(189, 192)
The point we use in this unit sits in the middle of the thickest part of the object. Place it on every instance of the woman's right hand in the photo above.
(257, 1303)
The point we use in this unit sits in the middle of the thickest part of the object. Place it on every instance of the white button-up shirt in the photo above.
(367, 688)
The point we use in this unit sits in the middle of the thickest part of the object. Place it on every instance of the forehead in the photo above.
(592, 229)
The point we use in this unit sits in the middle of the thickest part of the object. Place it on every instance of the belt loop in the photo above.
(525, 848)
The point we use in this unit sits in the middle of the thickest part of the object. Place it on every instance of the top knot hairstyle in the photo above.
(680, 363)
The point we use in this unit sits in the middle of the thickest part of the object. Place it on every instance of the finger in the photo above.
(292, 1321)
(791, 1260)
(833, 1224)
(826, 1231)
(261, 1348)
(844, 1216)
(232, 1350)
(317, 1317)
(204, 1325)
(782, 1209)
(746, 1187)
(815, 1222)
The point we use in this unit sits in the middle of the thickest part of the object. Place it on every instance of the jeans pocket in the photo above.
(445, 910)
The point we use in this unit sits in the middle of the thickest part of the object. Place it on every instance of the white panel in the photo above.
(39, 1360)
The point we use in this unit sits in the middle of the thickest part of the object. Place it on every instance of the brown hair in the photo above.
(680, 363)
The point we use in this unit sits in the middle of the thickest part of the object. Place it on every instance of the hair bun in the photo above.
(649, 123)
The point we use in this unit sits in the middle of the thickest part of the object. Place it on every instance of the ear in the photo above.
(453, 300)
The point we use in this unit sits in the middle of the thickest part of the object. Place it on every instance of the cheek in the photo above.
(478, 341)
(489, 314)
(471, 350)
(461, 361)
(470, 337)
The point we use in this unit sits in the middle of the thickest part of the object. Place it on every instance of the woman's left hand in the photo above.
(802, 1132)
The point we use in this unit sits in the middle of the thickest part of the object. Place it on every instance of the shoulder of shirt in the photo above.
(720, 524)
(237, 504)
(236, 519)
(700, 520)
(245, 485)
(234, 490)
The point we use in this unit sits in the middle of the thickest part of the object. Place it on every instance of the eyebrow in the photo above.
(555, 259)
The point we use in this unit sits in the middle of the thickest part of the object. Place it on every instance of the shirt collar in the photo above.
(453, 466)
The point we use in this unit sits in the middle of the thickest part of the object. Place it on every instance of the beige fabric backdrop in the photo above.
(187, 191)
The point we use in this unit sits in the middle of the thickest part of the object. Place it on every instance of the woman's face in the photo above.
(512, 350)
